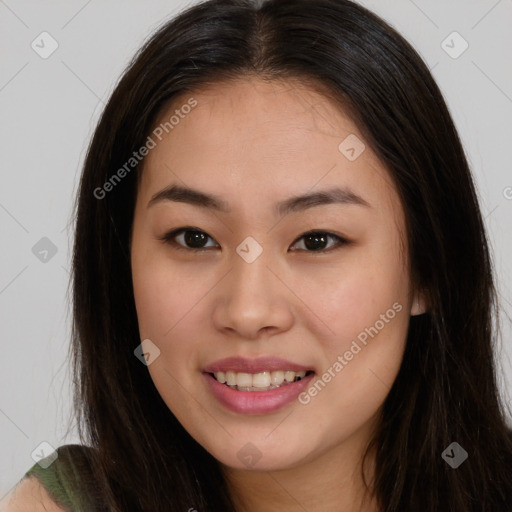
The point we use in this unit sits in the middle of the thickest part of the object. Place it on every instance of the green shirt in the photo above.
(69, 479)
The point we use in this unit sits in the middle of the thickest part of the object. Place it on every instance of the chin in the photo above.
(260, 454)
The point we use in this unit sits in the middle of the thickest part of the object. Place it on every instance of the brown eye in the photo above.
(317, 241)
(187, 238)
(193, 239)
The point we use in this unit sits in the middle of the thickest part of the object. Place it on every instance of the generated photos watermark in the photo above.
(147, 352)
(344, 359)
(249, 455)
(44, 454)
(137, 156)
(454, 455)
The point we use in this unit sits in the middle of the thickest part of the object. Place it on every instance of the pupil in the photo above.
(318, 241)
(193, 237)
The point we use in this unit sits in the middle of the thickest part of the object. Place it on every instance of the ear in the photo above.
(419, 304)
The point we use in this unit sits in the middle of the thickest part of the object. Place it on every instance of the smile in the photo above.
(256, 386)
(262, 381)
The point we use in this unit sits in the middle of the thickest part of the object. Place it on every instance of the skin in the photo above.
(29, 495)
(254, 143)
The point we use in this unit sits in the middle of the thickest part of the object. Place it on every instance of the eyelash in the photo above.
(168, 239)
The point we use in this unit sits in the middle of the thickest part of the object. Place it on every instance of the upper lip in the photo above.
(261, 364)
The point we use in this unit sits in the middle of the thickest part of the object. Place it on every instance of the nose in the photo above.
(253, 299)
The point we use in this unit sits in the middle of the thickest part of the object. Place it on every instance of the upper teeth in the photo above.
(258, 380)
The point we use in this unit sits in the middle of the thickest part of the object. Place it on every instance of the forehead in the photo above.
(277, 138)
(252, 107)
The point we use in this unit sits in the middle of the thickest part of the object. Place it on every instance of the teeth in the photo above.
(231, 378)
(277, 378)
(262, 381)
(244, 380)
(289, 376)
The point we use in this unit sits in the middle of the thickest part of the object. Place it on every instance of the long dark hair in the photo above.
(446, 389)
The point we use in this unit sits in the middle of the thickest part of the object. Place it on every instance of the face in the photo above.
(277, 324)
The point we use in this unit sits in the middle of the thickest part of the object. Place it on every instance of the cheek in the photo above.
(371, 332)
(163, 300)
(163, 292)
(360, 366)
(168, 303)
(364, 300)
(154, 300)
(350, 296)
(365, 309)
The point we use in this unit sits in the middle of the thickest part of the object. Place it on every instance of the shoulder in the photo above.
(29, 496)
(62, 481)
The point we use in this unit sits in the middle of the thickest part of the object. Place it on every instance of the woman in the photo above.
(283, 294)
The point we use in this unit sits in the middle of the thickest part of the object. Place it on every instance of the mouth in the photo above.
(256, 386)
(261, 381)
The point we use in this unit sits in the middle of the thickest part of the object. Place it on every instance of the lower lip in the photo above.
(256, 402)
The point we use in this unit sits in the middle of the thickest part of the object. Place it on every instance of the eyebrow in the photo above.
(335, 195)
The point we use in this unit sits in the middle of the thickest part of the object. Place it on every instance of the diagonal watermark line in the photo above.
(213, 286)
(14, 218)
(300, 299)
(11, 489)
(280, 423)
(13, 423)
(491, 212)
(424, 14)
(485, 15)
(13, 279)
(434, 66)
(312, 106)
(378, 378)
(198, 402)
(492, 81)
(75, 15)
(14, 76)
(286, 491)
(82, 81)
(14, 14)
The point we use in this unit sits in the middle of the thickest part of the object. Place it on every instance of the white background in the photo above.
(49, 108)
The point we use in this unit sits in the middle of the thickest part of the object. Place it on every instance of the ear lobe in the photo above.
(419, 304)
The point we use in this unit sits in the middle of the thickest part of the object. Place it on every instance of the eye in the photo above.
(316, 241)
(188, 235)
(193, 239)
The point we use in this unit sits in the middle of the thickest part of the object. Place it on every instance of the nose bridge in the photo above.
(253, 298)
(250, 268)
